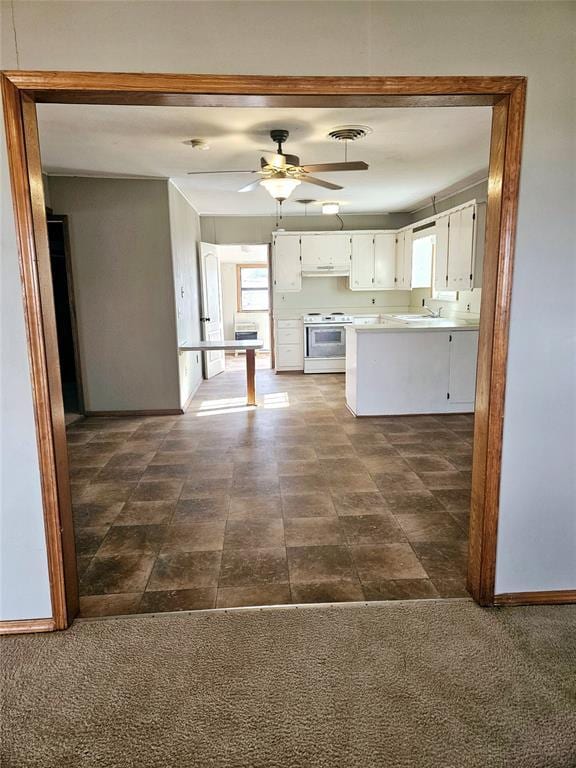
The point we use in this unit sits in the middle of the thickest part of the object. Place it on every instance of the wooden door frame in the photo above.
(22, 90)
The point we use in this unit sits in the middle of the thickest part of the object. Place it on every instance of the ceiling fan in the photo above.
(281, 173)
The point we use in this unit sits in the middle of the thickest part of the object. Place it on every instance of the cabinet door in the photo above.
(325, 250)
(441, 254)
(463, 356)
(399, 260)
(460, 249)
(384, 261)
(362, 268)
(407, 262)
(287, 264)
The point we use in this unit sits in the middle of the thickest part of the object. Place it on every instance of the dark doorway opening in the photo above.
(62, 284)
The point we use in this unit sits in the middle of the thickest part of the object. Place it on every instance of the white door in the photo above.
(287, 265)
(211, 317)
(463, 356)
(384, 261)
(441, 254)
(362, 268)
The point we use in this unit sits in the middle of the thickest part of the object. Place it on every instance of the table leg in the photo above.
(250, 376)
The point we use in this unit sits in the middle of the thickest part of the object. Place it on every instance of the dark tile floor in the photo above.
(294, 501)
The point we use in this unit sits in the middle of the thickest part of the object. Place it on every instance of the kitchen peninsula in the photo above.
(411, 364)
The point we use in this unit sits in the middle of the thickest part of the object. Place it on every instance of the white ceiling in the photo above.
(412, 153)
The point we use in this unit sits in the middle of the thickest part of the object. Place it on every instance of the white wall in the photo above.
(121, 262)
(185, 233)
(536, 39)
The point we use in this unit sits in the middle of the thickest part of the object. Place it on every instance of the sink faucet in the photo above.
(433, 313)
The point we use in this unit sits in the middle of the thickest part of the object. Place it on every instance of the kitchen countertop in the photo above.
(392, 323)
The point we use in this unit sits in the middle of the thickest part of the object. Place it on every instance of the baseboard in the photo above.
(154, 412)
(554, 597)
(191, 396)
(22, 626)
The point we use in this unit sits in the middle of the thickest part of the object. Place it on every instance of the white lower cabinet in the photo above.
(463, 355)
(391, 373)
(289, 345)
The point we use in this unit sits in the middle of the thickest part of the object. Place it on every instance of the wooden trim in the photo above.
(23, 626)
(506, 94)
(43, 356)
(501, 215)
(554, 597)
(260, 91)
(152, 412)
(239, 288)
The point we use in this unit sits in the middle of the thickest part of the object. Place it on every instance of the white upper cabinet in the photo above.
(404, 260)
(362, 268)
(287, 263)
(441, 254)
(461, 249)
(384, 261)
(373, 261)
(325, 251)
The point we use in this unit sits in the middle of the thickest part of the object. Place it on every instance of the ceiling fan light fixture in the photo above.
(330, 209)
(280, 188)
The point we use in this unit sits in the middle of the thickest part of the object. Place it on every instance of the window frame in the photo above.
(239, 289)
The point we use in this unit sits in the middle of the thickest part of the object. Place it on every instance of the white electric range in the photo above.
(325, 342)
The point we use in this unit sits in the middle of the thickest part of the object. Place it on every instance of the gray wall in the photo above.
(24, 585)
(536, 531)
(185, 232)
(122, 267)
(258, 229)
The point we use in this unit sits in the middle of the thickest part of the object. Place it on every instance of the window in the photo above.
(422, 258)
(252, 287)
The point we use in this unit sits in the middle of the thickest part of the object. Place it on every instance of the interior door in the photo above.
(211, 317)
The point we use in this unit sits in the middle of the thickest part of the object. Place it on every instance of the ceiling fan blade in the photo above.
(251, 186)
(358, 165)
(318, 182)
(192, 173)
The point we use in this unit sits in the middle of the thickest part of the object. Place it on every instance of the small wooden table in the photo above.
(249, 346)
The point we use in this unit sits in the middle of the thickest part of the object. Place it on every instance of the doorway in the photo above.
(246, 300)
(65, 316)
(505, 94)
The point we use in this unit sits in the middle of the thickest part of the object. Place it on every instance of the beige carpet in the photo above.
(410, 684)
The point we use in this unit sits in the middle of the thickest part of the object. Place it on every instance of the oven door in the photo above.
(325, 341)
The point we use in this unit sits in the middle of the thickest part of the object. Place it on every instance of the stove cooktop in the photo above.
(317, 318)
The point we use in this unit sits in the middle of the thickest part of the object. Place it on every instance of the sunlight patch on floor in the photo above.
(225, 405)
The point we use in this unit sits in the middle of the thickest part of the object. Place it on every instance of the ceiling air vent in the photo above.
(349, 132)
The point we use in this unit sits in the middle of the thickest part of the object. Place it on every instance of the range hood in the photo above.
(326, 271)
